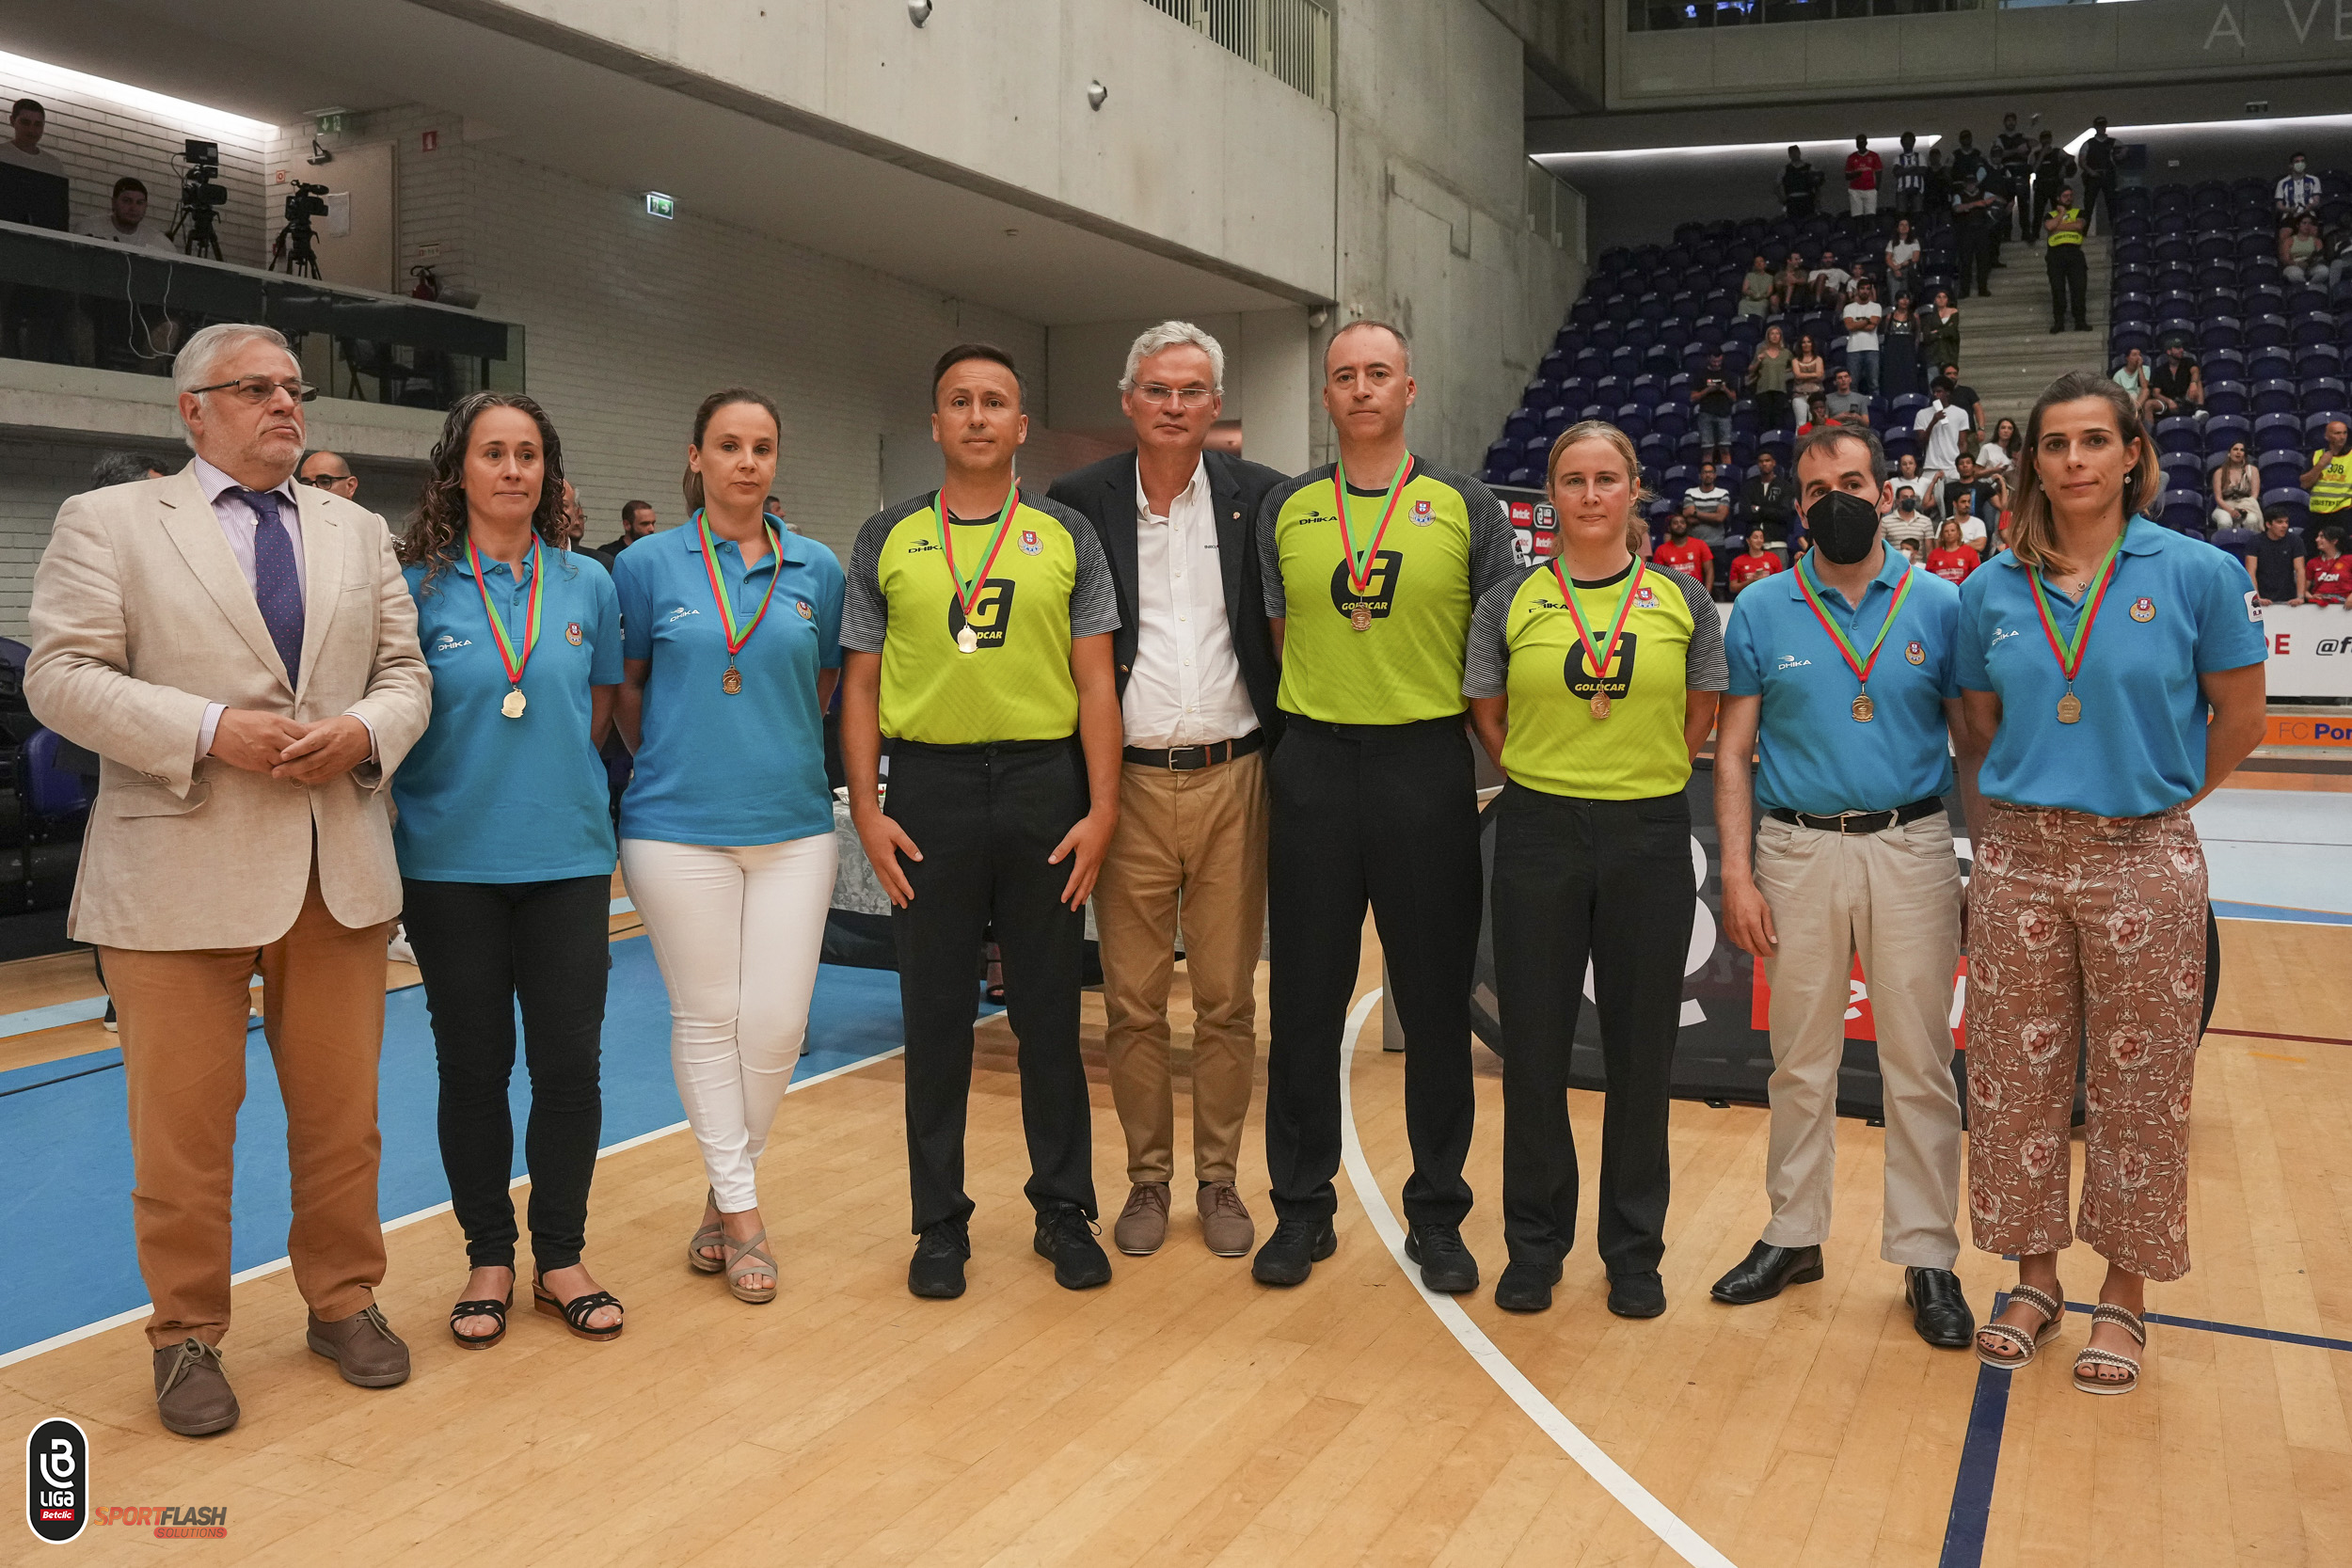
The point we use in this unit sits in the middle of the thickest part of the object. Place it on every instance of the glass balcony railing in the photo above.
(70, 301)
(1659, 16)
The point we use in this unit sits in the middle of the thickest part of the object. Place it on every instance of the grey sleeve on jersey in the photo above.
(1494, 555)
(1270, 558)
(865, 614)
(1486, 662)
(1093, 602)
(1704, 668)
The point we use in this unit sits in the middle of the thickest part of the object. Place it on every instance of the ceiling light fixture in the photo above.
(918, 12)
(1096, 94)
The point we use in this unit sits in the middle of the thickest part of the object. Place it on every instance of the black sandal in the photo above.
(577, 1312)
(481, 1309)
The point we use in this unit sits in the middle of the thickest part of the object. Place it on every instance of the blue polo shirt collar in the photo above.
(786, 542)
(461, 561)
(2140, 537)
(1891, 572)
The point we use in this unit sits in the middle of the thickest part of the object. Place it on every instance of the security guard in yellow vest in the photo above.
(2062, 254)
(1371, 567)
(976, 624)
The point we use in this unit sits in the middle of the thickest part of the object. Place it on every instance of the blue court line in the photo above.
(80, 1010)
(2279, 914)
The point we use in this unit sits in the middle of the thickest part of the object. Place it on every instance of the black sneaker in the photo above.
(1526, 1287)
(937, 1268)
(1637, 1295)
(1446, 1264)
(1290, 1254)
(1066, 1235)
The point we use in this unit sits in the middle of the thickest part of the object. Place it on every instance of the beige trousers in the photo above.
(1894, 899)
(1190, 851)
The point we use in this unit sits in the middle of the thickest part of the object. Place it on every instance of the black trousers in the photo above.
(1607, 881)
(2070, 278)
(481, 947)
(2098, 189)
(1975, 253)
(985, 819)
(1384, 814)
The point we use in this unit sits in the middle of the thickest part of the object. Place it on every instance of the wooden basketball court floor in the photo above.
(1184, 1415)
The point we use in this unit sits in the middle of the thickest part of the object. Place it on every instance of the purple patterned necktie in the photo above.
(275, 588)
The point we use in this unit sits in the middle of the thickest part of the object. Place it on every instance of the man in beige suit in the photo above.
(241, 653)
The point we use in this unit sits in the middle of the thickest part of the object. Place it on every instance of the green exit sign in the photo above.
(331, 123)
(660, 206)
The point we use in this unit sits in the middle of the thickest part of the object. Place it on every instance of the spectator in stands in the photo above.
(1903, 258)
(2102, 161)
(1800, 185)
(2062, 258)
(1999, 451)
(36, 323)
(2236, 489)
(125, 221)
(1712, 397)
(2302, 254)
(1758, 564)
(1908, 179)
(2175, 385)
(1942, 347)
(1707, 505)
(1768, 376)
(1971, 525)
(1790, 291)
(1940, 426)
(1755, 289)
(1769, 499)
(637, 520)
(1863, 315)
(2329, 477)
(2297, 194)
(1907, 474)
(326, 470)
(1899, 351)
(1846, 405)
(1939, 194)
(124, 468)
(2132, 375)
(572, 522)
(27, 122)
(1952, 559)
(1982, 492)
(1903, 523)
(1968, 159)
(1963, 396)
(2276, 561)
(2053, 167)
(1684, 553)
(2328, 575)
(1806, 374)
(1831, 282)
(1975, 211)
(1862, 179)
(2012, 161)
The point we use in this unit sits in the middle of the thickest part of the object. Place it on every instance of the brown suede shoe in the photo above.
(1225, 1222)
(192, 1393)
(1143, 1223)
(363, 1346)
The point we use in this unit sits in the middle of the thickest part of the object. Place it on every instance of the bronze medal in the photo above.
(1360, 617)
(1600, 704)
(732, 681)
(513, 704)
(1864, 708)
(2070, 709)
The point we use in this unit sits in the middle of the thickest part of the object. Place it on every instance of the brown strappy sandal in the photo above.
(751, 1258)
(710, 1234)
(2124, 1319)
(2052, 1310)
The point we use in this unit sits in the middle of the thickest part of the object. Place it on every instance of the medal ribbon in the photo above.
(965, 589)
(735, 638)
(2070, 651)
(1359, 568)
(1859, 665)
(508, 660)
(1596, 658)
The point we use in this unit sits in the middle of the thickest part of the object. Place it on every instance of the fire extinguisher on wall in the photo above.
(428, 285)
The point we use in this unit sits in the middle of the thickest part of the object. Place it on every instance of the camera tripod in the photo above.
(292, 246)
(203, 237)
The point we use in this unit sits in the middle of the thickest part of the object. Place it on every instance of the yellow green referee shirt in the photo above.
(1049, 584)
(1523, 645)
(1448, 542)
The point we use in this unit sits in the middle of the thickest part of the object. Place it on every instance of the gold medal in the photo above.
(967, 640)
(1864, 708)
(732, 681)
(514, 705)
(2070, 709)
(1360, 617)
(1600, 704)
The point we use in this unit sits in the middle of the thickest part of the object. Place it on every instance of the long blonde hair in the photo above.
(2031, 536)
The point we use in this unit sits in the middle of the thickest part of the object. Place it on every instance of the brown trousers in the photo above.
(183, 1017)
(1190, 850)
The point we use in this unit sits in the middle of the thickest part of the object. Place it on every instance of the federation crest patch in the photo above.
(571, 634)
(1915, 653)
(1644, 598)
(1421, 516)
(1029, 545)
(2143, 609)
(808, 611)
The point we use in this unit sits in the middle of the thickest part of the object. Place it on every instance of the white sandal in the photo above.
(2123, 1318)
(2052, 1310)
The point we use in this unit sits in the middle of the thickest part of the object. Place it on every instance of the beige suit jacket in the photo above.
(141, 617)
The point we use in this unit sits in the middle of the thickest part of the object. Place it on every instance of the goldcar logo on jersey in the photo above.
(56, 1480)
(1617, 683)
(991, 612)
(1379, 591)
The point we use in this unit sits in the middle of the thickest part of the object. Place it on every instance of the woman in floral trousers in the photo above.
(2114, 672)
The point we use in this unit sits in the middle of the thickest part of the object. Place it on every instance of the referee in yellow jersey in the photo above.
(1371, 569)
(1592, 679)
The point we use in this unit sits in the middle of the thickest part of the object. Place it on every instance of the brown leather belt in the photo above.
(1191, 759)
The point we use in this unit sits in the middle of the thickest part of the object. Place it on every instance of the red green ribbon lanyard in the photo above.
(509, 660)
(967, 591)
(1596, 656)
(1859, 664)
(2070, 651)
(1360, 567)
(737, 637)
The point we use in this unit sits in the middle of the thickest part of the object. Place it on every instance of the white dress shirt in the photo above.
(146, 235)
(1185, 688)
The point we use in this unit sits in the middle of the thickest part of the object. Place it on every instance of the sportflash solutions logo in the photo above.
(57, 1492)
(991, 612)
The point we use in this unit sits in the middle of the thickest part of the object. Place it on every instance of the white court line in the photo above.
(263, 1269)
(1679, 1537)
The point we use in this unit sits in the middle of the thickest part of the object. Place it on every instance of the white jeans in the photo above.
(1861, 203)
(737, 932)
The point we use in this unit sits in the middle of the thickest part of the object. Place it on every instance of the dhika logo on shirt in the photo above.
(449, 643)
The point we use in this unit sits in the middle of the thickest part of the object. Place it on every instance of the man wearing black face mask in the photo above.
(1843, 687)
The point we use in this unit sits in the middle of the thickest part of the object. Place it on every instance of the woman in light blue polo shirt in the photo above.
(505, 843)
(733, 647)
(2114, 672)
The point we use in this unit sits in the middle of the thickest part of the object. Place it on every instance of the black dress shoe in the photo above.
(1065, 1235)
(937, 1268)
(1526, 1287)
(1938, 1310)
(1637, 1295)
(1446, 1264)
(1290, 1254)
(1767, 1271)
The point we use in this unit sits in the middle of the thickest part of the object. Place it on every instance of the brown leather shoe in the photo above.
(192, 1393)
(1225, 1222)
(363, 1346)
(1143, 1223)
